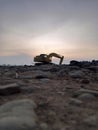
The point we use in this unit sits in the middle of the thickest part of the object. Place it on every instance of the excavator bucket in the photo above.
(61, 60)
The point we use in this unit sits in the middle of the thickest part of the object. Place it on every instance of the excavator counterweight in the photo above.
(44, 58)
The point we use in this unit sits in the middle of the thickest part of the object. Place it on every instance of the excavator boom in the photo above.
(56, 55)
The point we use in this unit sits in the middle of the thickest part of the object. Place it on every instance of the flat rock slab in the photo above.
(9, 89)
(18, 115)
(81, 91)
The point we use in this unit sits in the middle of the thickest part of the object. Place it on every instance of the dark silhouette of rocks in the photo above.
(84, 63)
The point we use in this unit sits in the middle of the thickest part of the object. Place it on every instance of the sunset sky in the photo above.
(31, 27)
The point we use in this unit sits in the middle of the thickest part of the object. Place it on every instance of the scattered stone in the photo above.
(85, 81)
(96, 77)
(9, 89)
(27, 89)
(62, 72)
(81, 91)
(91, 121)
(17, 75)
(44, 126)
(86, 96)
(25, 77)
(76, 74)
(41, 77)
(82, 86)
(76, 102)
(43, 104)
(93, 68)
(10, 74)
(45, 80)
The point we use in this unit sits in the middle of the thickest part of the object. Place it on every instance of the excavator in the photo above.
(44, 58)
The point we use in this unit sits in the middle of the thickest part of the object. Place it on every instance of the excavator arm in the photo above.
(56, 55)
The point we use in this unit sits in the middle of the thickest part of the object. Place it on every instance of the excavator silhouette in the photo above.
(46, 59)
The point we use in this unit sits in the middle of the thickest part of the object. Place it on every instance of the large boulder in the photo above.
(18, 115)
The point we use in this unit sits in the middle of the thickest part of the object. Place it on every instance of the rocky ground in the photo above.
(49, 97)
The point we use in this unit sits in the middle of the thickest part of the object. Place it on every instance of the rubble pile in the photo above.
(49, 96)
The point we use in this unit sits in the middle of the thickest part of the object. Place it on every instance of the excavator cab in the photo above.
(44, 58)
